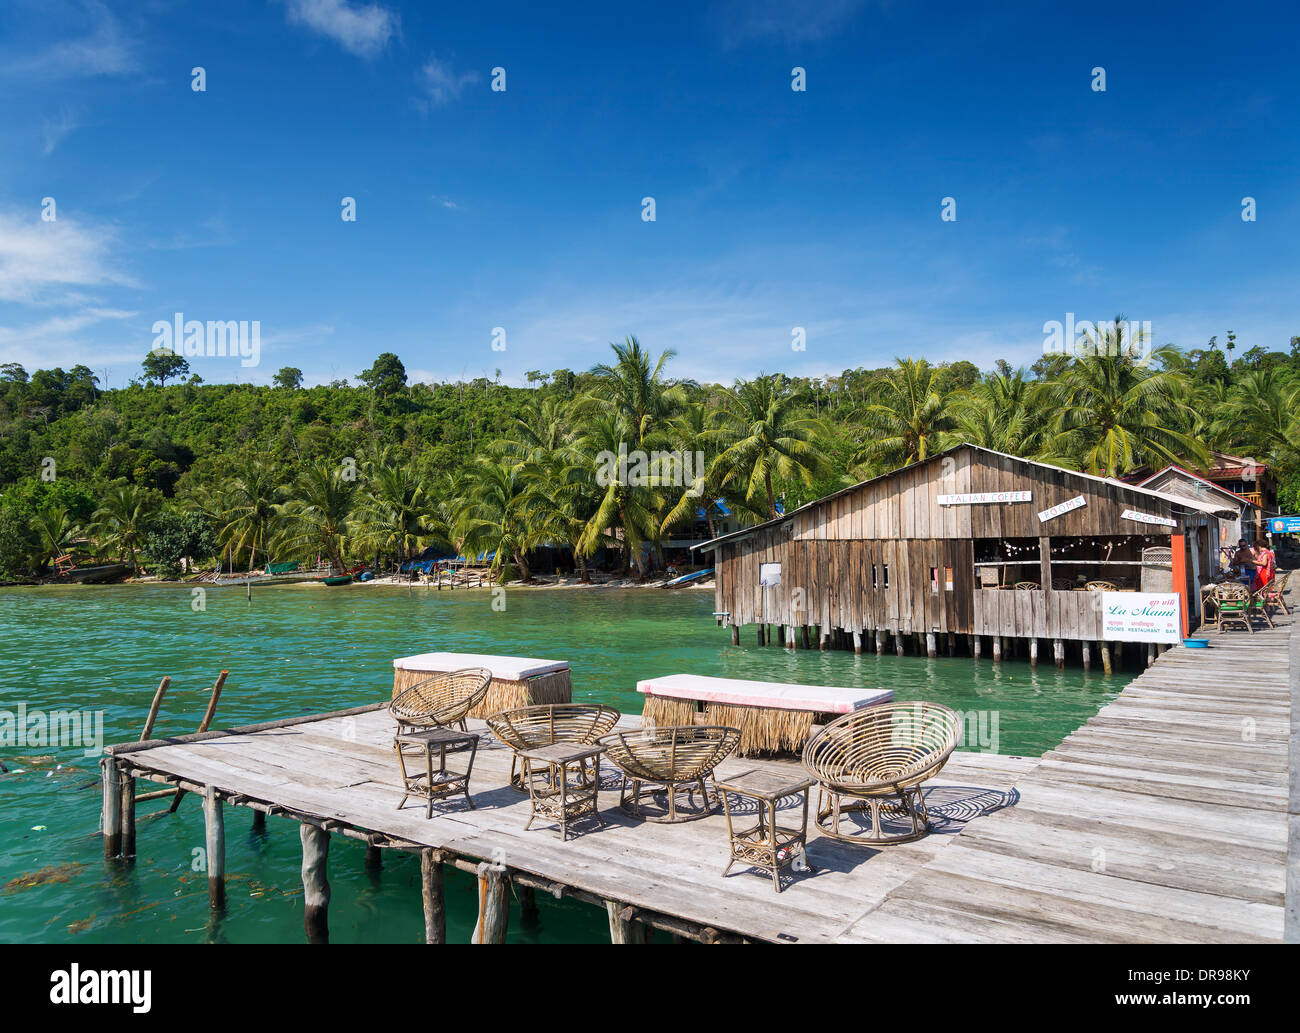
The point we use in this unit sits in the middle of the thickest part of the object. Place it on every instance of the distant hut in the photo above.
(968, 547)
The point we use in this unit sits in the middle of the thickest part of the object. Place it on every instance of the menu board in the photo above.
(1140, 617)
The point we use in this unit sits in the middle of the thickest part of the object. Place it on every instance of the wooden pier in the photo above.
(1164, 818)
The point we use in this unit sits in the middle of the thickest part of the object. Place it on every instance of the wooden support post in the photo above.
(952, 644)
(780, 635)
(1151, 653)
(529, 916)
(880, 642)
(214, 828)
(898, 643)
(759, 631)
(857, 643)
(790, 637)
(1087, 655)
(1045, 563)
(735, 635)
(158, 695)
(1058, 653)
(435, 905)
(128, 814)
(374, 857)
(203, 727)
(259, 821)
(1105, 658)
(823, 635)
(997, 648)
(807, 641)
(315, 882)
(493, 904)
(931, 650)
(623, 930)
(112, 813)
(975, 646)
(1033, 652)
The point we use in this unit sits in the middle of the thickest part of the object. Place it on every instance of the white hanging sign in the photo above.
(769, 574)
(1147, 518)
(1078, 502)
(982, 497)
(1140, 617)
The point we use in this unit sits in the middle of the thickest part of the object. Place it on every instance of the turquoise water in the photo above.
(309, 649)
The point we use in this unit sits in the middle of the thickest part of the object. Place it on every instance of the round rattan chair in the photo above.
(1101, 586)
(667, 758)
(1027, 586)
(442, 701)
(525, 728)
(876, 759)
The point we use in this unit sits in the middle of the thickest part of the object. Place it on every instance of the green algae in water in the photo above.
(311, 649)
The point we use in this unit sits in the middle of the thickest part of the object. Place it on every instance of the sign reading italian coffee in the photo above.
(1147, 518)
(984, 497)
(1140, 617)
(1078, 502)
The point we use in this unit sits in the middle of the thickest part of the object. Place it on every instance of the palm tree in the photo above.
(498, 514)
(1258, 413)
(395, 517)
(318, 516)
(627, 508)
(56, 532)
(1115, 412)
(251, 511)
(637, 390)
(909, 420)
(120, 521)
(760, 435)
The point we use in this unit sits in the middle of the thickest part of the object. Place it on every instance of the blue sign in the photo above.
(1284, 525)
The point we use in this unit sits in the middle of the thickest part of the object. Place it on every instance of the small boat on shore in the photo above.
(97, 575)
(337, 579)
(686, 579)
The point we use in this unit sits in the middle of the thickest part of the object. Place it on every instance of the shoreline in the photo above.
(388, 582)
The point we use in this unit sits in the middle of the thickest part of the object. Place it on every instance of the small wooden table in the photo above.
(766, 844)
(554, 796)
(435, 785)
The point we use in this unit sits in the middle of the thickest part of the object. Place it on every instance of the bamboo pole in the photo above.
(493, 904)
(435, 905)
(214, 827)
(315, 882)
(112, 814)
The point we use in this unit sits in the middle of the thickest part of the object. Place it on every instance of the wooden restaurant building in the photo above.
(972, 548)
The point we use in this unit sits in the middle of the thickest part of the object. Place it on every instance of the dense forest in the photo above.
(170, 467)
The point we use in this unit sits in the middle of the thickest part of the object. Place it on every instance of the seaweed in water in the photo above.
(49, 874)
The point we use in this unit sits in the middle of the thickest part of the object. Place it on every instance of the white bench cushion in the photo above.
(821, 699)
(504, 668)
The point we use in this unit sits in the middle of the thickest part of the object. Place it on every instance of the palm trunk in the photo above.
(771, 499)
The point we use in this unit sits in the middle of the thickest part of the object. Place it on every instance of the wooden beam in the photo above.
(621, 929)
(315, 882)
(203, 727)
(158, 695)
(214, 827)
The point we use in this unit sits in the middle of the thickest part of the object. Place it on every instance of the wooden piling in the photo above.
(1105, 658)
(128, 814)
(214, 827)
(780, 635)
(315, 882)
(1151, 654)
(259, 821)
(493, 904)
(112, 813)
(997, 648)
(952, 644)
(435, 905)
(1033, 652)
(735, 635)
(931, 650)
(975, 646)
(529, 915)
(1058, 653)
(898, 643)
(1087, 655)
(374, 857)
(623, 928)
(880, 642)
(790, 641)
(857, 643)
(807, 642)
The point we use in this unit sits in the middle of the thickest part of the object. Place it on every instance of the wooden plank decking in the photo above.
(1162, 818)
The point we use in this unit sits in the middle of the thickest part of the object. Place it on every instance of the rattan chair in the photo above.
(1063, 584)
(1027, 586)
(1100, 586)
(1232, 606)
(442, 701)
(876, 759)
(1275, 590)
(525, 728)
(669, 757)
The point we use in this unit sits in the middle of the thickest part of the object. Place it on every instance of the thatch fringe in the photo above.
(763, 729)
(555, 687)
(666, 712)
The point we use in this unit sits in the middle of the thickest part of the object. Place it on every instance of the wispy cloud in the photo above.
(56, 130)
(105, 50)
(63, 338)
(793, 21)
(441, 84)
(361, 29)
(42, 262)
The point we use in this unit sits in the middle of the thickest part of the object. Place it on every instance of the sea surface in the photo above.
(102, 650)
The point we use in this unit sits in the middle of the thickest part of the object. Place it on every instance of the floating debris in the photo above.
(49, 874)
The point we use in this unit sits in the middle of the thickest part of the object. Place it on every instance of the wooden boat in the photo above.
(95, 575)
(337, 579)
(686, 579)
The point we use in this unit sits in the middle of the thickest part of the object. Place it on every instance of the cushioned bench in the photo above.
(771, 716)
(517, 681)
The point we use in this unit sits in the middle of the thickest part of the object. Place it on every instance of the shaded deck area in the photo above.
(1165, 817)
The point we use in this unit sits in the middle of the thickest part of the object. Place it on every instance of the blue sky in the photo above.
(522, 209)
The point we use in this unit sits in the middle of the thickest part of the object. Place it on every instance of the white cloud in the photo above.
(441, 84)
(40, 262)
(791, 21)
(56, 130)
(62, 340)
(105, 50)
(361, 29)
